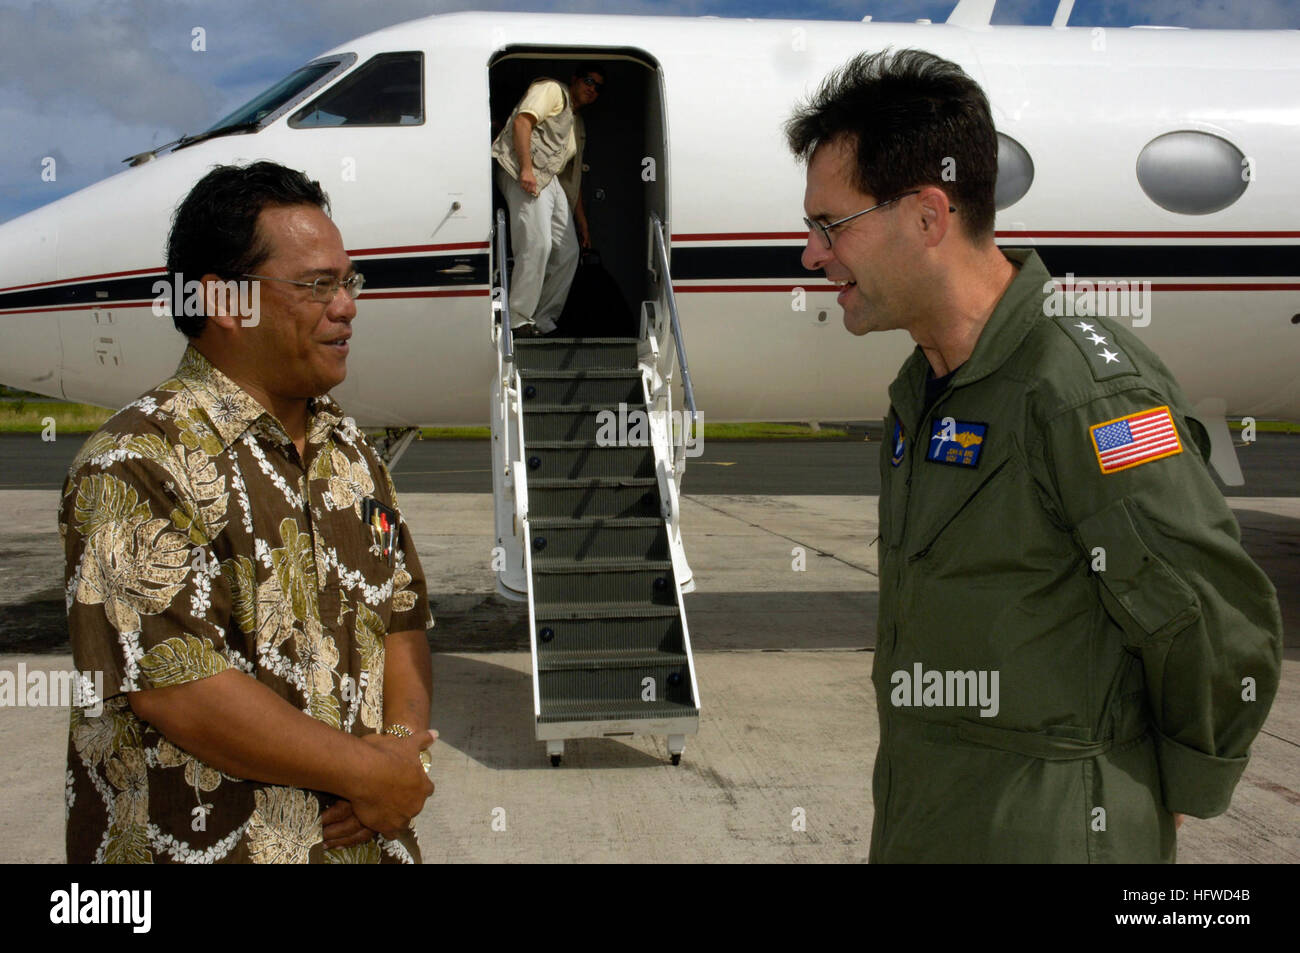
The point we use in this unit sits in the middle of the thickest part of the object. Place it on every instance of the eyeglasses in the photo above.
(592, 83)
(825, 230)
(324, 288)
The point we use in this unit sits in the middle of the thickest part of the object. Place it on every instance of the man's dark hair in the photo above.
(214, 230)
(583, 68)
(907, 111)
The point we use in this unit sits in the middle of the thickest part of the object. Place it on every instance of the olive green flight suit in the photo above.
(1136, 647)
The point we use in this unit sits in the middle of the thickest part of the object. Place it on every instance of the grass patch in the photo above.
(711, 432)
(456, 433)
(1268, 426)
(30, 416)
(770, 431)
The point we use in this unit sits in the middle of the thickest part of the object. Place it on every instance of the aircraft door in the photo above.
(624, 177)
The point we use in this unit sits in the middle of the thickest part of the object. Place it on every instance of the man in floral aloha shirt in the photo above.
(239, 571)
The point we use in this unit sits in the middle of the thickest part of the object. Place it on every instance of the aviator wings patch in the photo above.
(956, 442)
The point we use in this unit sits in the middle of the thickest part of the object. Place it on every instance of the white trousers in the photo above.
(545, 246)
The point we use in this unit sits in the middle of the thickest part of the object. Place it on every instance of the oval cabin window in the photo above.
(1015, 172)
(1193, 173)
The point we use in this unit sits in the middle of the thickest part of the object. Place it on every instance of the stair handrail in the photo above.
(503, 336)
(670, 299)
(511, 386)
(508, 481)
(502, 305)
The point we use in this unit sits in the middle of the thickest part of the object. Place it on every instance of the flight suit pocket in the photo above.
(1141, 593)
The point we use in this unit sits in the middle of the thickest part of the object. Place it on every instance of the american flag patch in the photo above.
(1138, 438)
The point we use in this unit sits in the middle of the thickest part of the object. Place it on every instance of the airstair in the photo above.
(588, 457)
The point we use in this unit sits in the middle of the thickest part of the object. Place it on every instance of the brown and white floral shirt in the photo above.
(198, 540)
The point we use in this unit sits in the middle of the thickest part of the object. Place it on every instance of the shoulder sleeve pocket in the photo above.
(1142, 594)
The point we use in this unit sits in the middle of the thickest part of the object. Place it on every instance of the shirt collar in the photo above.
(1008, 325)
(230, 410)
(1012, 319)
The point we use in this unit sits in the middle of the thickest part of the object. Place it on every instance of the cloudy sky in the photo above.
(89, 82)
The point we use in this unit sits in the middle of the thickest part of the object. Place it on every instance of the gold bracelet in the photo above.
(398, 730)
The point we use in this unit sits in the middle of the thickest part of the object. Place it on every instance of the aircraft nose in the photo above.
(31, 356)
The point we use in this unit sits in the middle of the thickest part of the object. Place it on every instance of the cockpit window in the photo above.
(298, 84)
(387, 91)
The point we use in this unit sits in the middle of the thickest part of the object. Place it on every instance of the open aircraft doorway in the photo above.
(625, 165)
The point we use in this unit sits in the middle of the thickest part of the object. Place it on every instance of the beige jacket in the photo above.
(550, 141)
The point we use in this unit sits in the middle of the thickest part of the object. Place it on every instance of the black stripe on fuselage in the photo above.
(1108, 261)
(382, 274)
(737, 262)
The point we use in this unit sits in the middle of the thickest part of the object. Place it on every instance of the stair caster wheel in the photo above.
(555, 760)
(676, 745)
(677, 759)
(556, 750)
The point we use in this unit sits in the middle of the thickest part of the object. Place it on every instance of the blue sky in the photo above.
(89, 82)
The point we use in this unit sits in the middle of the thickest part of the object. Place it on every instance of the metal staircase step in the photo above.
(599, 497)
(592, 483)
(590, 541)
(576, 611)
(626, 686)
(601, 710)
(608, 581)
(578, 342)
(581, 374)
(587, 423)
(566, 388)
(574, 353)
(620, 631)
(575, 460)
(577, 407)
(605, 522)
(616, 565)
(610, 659)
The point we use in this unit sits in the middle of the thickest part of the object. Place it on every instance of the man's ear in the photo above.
(933, 205)
(220, 301)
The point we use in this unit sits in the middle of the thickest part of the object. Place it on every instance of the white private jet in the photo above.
(1126, 155)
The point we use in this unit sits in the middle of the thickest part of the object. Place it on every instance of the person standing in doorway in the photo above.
(539, 159)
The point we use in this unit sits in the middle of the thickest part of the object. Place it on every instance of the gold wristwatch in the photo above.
(399, 730)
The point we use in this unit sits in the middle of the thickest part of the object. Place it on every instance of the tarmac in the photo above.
(781, 768)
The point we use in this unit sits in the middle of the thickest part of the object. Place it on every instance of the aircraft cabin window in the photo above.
(299, 82)
(1015, 173)
(386, 91)
(1193, 173)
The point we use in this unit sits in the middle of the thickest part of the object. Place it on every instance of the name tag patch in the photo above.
(1138, 438)
(956, 442)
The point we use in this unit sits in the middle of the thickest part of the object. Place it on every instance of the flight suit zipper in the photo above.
(897, 581)
(978, 490)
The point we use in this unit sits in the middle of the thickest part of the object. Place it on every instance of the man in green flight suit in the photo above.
(1073, 650)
